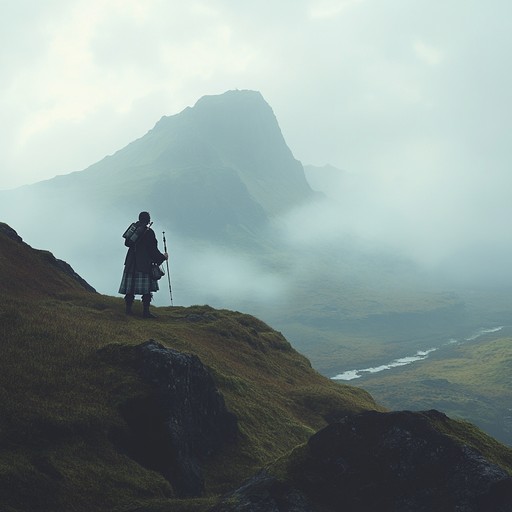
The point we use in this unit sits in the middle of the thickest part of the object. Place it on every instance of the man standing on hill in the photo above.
(142, 254)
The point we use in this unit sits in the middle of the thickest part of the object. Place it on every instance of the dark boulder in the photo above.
(390, 462)
(399, 461)
(178, 420)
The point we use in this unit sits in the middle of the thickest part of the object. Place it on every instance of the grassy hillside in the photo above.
(59, 400)
(471, 380)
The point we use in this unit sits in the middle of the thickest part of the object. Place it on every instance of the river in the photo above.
(420, 355)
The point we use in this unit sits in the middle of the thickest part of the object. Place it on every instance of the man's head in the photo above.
(144, 218)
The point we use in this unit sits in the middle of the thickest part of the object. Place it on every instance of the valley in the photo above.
(250, 229)
(207, 410)
(468, 379)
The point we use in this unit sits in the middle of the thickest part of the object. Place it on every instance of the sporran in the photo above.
(157, 272)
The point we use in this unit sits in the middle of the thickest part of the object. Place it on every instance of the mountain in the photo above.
(104, 412)
(220, 180)
(247, 232)
(215, 176)
(221, 165)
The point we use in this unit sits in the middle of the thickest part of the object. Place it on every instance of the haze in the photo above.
(410, 99)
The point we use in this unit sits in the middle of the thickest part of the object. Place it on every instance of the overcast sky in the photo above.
(412, 96)
(407, 89)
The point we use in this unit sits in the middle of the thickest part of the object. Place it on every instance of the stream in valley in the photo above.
(420, 355)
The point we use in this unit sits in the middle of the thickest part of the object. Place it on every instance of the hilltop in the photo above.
(69, 368)
(100, 411)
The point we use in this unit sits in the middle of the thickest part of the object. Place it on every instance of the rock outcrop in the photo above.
(178, 420)
(45, 256)
(391, 462)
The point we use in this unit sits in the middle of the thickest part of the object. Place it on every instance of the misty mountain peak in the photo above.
(237, 129)
(230, 107)
(227, 150)
(219, 170)
(239, 114)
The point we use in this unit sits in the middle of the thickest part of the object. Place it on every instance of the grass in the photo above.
(59, 399)
(470, 381)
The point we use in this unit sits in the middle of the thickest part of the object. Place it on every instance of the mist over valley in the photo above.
(356, 272)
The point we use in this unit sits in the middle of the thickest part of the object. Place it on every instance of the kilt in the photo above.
(138, 283)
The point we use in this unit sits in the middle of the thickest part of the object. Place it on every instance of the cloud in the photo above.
(322, 9)
(428, 53)
(216, 274)
(441, 222)
(411, 97)
(97, 60)
(346, 84)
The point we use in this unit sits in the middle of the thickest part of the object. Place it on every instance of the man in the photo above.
(142, 254)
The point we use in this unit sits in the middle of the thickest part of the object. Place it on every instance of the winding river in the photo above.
(403, 361)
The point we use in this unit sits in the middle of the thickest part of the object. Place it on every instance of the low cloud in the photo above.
(445, 224)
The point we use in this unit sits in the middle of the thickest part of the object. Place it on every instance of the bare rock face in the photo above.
(180, 418)
(391, 462)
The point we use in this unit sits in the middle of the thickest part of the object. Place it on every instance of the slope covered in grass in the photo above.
(470, 380)
(59, 400)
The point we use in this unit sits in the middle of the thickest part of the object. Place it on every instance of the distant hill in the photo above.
(99, 411)
(221, 181)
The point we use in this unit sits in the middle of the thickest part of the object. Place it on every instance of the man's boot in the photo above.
(128, 300)
(146, 299)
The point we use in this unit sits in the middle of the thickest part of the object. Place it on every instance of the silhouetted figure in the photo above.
(142, 254)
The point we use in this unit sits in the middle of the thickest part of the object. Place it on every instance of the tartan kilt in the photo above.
(138, 283)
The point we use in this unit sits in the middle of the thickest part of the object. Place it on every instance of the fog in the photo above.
(446, 224)
(221, 273)
(410, 99)
(89, 237)
(441, 228)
